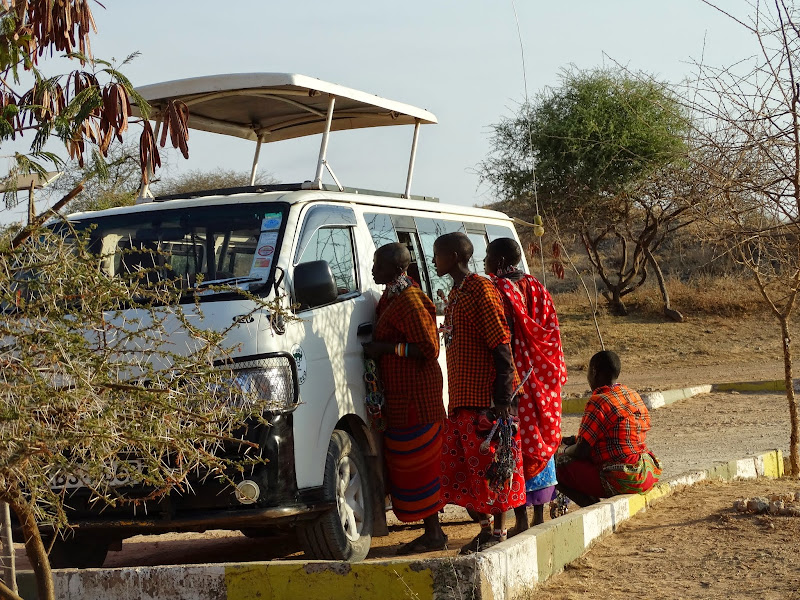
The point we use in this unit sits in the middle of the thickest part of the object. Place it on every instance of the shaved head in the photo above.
(396, 255)
(456, 242)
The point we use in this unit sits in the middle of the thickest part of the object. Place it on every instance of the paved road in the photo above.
(710, 428)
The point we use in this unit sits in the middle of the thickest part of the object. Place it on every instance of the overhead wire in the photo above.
(526, 116)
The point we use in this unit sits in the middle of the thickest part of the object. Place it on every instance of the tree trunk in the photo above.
(9, 567)
(7, 593)
(615, 302)
(794, 438)
(669, 312)
(34, 548)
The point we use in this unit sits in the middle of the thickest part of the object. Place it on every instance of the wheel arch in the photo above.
(361, 434)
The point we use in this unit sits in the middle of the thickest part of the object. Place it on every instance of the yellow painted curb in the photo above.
(773, 464)
(775, 385)
(330, 580)
(573, 405)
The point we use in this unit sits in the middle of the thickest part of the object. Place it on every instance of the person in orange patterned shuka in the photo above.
(609, 455)
(481, 379)
(406, 346)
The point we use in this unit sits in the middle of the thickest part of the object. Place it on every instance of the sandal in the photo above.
(477, 543)
(422, 544)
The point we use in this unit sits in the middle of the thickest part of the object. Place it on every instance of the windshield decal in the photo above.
(265, 251)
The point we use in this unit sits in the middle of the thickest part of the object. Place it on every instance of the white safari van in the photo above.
(310, 245)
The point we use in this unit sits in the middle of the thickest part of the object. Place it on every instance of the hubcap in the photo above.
(350, 498)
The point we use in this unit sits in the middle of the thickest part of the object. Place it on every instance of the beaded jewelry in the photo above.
(374, 400)
(447, 329)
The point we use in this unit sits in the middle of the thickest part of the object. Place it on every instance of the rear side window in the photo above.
(429, 230)
(499, 231)
(381, 229)
(477, 235)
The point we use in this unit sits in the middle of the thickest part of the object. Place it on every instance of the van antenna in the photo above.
(538, 229)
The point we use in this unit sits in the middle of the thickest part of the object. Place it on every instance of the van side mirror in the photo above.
(314, 284)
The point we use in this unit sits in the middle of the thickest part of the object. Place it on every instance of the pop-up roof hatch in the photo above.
(270, 107)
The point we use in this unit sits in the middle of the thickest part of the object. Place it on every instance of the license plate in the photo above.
(121, 473)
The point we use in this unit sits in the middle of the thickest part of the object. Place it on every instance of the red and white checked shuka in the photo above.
(536, 344)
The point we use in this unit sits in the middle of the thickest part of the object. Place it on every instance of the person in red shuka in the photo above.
(406, 347)
(536, 345)
(609, 455)
(481, 380)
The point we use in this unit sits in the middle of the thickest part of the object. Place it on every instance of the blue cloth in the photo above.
(546, 478)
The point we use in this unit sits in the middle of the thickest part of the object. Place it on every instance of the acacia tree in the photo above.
(97, 373)
(749, 127)
(608, 149)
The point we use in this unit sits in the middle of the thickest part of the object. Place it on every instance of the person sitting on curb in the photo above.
(406, 346)
(609, 455)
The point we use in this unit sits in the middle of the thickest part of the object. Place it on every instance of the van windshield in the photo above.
(196, 247)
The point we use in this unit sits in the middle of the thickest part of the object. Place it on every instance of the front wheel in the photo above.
(344, 533)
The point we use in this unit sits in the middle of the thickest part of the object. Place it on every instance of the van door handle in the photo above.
(364, 329)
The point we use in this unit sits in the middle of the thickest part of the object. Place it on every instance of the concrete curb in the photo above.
(652, 400)
(658, 399)
(507, 571)
(775, 385)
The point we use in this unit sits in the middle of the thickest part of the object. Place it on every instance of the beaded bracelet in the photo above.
(401, 350)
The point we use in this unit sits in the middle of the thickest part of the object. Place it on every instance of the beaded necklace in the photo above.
(447, 330)
(398, 284)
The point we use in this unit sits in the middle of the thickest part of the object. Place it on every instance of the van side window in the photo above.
(380, 228)
(499, 231)
(335, 246)
(429, 230)
(477, 235)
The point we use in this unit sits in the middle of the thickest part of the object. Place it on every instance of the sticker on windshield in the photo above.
(271, 221)
(265, 252)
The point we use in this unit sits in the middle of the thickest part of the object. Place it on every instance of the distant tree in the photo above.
(196, 180)
(749, 127)
(107, 181)
(115, 180)
(607, 146)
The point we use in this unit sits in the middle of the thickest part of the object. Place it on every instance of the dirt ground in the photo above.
(687, 435)
(659, 355)
(692, 545)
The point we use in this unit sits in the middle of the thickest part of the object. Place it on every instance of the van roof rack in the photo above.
(284, 187)
(270, 107)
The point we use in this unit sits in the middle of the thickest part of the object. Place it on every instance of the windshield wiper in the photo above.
(230, 280)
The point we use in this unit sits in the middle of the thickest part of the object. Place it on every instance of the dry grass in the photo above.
(727, 335)
(725, 296)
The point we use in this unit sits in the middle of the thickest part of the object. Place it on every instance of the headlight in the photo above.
(267, 380)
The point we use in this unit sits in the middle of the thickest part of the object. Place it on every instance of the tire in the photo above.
(79, 552)
(344, 533)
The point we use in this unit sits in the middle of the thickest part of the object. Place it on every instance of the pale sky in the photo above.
(458, 59)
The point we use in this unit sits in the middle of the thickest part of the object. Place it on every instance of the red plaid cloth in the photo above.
(536, 344)
(412, 387)
(475, 314)
(615, 423)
